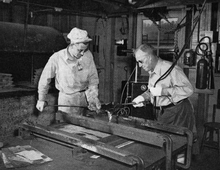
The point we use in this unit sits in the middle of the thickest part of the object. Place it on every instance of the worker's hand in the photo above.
(138, 101)
(94, 104)
(156, 91)
(40, 105)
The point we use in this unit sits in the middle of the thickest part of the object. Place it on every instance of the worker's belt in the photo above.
(169, 105)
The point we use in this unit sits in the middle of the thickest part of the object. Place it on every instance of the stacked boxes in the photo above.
(6, 81)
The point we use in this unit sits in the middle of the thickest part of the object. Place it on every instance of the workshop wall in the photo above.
(113, 67)
(203, 99)
(123, 61)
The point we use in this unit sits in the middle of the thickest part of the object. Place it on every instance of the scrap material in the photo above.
(20, 156)
(87, 133)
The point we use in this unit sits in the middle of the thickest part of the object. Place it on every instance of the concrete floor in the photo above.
(65, 159)
(209, 159)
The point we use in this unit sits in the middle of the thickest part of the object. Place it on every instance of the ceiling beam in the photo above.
(167, 3)
(51, 8)
(115, 3)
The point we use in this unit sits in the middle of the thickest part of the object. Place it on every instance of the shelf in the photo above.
(189, 67)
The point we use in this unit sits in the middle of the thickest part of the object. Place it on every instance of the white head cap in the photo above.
(77, 35)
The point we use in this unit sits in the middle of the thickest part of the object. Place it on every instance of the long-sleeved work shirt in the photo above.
(176, 84)
(71, 76)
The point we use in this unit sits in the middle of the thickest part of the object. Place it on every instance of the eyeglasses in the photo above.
(141, 61)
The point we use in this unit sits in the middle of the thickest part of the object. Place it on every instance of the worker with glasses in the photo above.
(75, 75)
(170, 95)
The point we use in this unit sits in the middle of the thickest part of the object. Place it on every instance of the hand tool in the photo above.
(130, 103)
(133, 103)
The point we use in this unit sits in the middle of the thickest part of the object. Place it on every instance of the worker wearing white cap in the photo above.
(75, 75)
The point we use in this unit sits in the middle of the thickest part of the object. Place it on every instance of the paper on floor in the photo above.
(20, 156)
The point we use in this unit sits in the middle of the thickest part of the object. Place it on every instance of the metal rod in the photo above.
(60, 105)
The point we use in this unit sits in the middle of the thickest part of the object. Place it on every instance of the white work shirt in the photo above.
(69, 79)
(177, 84)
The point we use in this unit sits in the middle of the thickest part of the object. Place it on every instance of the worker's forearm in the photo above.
(42, 91)
(42, 97)
(92, 91)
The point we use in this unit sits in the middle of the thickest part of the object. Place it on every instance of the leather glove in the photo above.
(94, 104)
(40, 105)
(156, 91)
(138, 101)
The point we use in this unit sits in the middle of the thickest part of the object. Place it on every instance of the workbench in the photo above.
(128, 143)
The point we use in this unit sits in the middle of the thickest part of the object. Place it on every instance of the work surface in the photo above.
(64, 160)
(76, 158)
(82, 147)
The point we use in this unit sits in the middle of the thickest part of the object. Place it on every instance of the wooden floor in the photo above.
(63, 157)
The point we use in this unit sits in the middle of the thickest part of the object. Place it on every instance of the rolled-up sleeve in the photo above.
(93, 77)
(45, 79)
(92, 91)
(181, 86)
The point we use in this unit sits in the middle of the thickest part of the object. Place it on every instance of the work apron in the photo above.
(74, 101)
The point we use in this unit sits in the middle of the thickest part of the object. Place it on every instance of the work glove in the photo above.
(138, 101)
(92, 98)
(40, 105)
(156, 91)
(94, 104)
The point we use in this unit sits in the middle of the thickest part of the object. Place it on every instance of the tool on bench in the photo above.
(126, 104)
(118, 109)
(81, 106)
(106, 108)
(133, 103)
